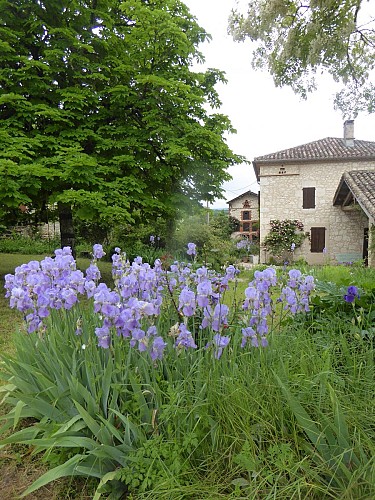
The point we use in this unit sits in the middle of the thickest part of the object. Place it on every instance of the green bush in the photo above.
(27, 245)
(283, 238)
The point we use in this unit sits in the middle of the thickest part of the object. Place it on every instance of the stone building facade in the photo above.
(245, 208)
(303, 183)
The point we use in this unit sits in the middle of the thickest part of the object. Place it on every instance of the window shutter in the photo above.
(308, 197)
(318, 239)
(246, 215)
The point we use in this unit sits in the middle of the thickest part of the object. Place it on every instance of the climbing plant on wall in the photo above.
(284, 237)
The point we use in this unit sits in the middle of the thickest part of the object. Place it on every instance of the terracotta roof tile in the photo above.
(362, 184)
(246, 193)
(330, 148)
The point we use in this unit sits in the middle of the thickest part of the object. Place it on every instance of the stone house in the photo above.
(245, 208)
(328, 185)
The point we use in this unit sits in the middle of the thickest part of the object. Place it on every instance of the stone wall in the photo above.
(44, 231)
(282, 196)
(247, 202)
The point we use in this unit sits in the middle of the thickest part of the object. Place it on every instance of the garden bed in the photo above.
(223, 405)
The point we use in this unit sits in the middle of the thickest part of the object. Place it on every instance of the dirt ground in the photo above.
(16, 477)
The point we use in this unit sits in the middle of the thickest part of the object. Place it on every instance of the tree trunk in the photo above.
(170, 232)
(66, 226)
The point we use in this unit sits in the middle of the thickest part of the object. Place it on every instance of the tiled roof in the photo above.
(330, 148)
(246, 193)
(361, 184)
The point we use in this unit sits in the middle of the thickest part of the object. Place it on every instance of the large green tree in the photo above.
(296, 40)
(101, 112)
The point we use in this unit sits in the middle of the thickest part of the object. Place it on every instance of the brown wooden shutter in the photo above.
(308, 197)
(318, 239)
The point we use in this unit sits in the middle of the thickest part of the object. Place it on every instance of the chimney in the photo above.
(349, 133)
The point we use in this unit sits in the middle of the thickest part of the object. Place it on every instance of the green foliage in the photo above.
(282, 235)
(296, 41)
(27, 245)
(157, 462)
(100, 110)
(212, 237)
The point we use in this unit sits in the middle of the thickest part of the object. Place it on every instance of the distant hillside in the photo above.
(220, 210)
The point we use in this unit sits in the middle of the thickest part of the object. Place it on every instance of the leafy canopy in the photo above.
(100, 109)
(298, 39)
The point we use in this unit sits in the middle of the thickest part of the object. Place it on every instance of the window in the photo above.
(308, 197)
(246, 227)
(282, 170)
(318, 239)
(246, 215)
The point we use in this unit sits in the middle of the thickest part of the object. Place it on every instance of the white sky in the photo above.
(267, 119)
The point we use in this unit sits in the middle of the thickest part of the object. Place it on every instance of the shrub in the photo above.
(27, 245)
(284, 238)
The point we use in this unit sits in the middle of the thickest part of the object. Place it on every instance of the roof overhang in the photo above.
(357, 186)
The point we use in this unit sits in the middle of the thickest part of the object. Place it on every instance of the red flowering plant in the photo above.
(284, 238)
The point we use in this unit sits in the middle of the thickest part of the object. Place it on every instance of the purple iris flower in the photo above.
(104, 337)
(93, 273)
(351, 294)
(97, 251)
(204, 290)
(231, 272)
(192, 249)
(220, 342)
(157, 349)
(185, 339)
(187, 302)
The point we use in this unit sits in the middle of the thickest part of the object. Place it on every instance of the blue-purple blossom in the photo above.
(187, 302)
(93, 273)
(36, 288)
(231, 272)
(259, 306)
(296, 294)
(97, 251)
(185, 338)
(351, 294)
(220, 342)
(220, 317)
(204, 292)
(242, 244)
(157, 348)
(104, 337)
(132, 308)
(192, 249)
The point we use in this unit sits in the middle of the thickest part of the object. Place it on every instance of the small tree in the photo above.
(284, 237)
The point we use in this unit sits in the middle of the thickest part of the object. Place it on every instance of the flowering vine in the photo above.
(285, 236)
